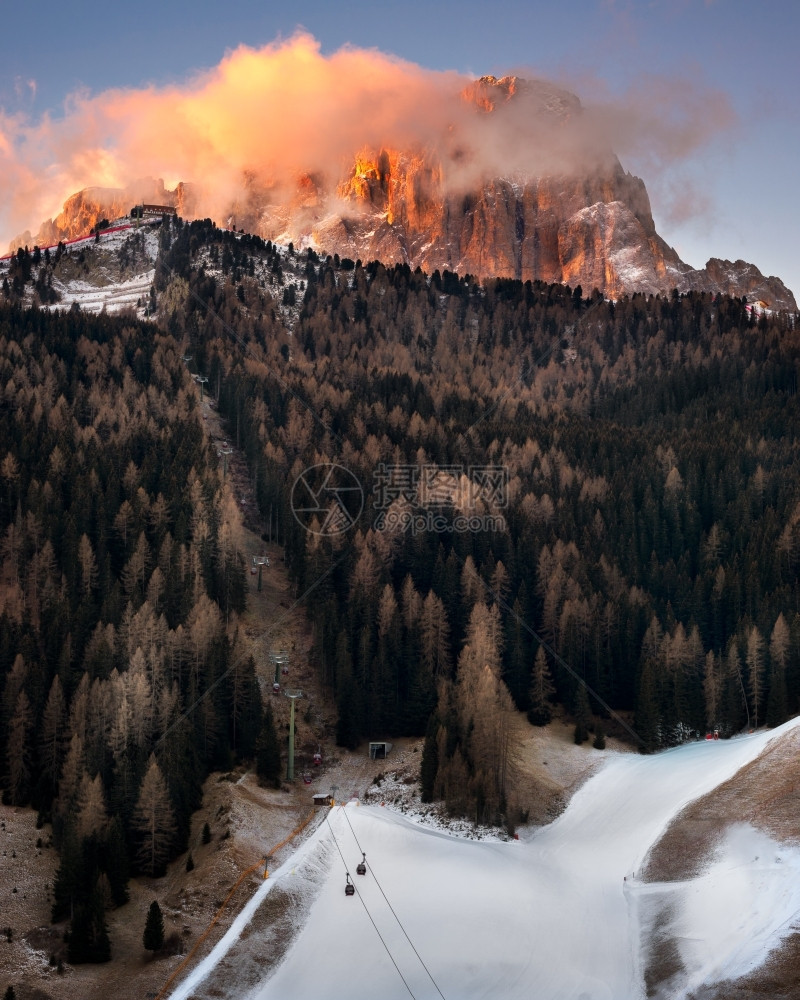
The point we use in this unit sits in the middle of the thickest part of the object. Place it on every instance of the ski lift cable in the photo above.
(502, 603)
(249, 352)
(399, 921)
(366, 910)
(267, 631)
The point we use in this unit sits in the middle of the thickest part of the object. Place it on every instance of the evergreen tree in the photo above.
(115, 862)
(755, 668)
(88, 933)
(583, 715)
(154, 821)
(737, 706)
(712, 686)
(516, 668)
(153, 936)
(348, 731)
(52, 744)
(541, 691)
(268, 755)
(647, 721)
(70, 880)
(778, 699)
(19, 754)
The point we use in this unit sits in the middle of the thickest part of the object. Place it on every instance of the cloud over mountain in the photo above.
(266, 115)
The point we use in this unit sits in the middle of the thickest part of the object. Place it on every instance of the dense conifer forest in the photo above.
(638, 566)
(118, 581)
(649, 564)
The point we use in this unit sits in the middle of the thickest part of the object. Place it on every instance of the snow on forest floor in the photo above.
(102, 287)
(560, 911)
(110, 274)
(111, 298)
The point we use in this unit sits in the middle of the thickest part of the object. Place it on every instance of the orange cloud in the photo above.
(274, 111)
(285, 109)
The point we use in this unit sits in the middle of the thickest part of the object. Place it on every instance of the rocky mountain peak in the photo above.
(490, 93)
(449, 205)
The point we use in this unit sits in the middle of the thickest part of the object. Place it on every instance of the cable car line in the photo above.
(399, 921)
(366, 910)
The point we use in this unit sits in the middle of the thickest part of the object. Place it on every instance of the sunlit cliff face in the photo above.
(486, 92)
(406, 187)
(284, 122)
(273, 114)
(279, 153)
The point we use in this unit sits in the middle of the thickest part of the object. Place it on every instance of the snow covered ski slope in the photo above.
(556, 915)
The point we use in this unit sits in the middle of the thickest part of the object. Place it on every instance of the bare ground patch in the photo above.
(547, 768)
(765, 794)
(662, 961)
(778, 979)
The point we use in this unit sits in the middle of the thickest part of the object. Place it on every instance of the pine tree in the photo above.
(115, 862)
(91, 816)
(647, 719)
(69, 883)
(541, 691)
(755, 668)
(52, 744)
(484, 708)
(348, 731)
(435, 636)
(516, 669)
(777, 701)
(19, 750)
(268, 755)
(583, 715)
(154, 821)
(153, 936)
(737, 705)
(712, 685)
(88, 933)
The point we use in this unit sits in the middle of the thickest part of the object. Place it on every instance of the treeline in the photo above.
(120, 580)
(652, 540)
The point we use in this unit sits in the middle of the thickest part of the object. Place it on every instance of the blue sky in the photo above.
(732, 193)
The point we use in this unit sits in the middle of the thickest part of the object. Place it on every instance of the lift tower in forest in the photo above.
(292, 696)
(261, 562)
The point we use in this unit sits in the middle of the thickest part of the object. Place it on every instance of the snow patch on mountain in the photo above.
(110, 272)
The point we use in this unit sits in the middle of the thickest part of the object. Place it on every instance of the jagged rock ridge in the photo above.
(590, 226)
